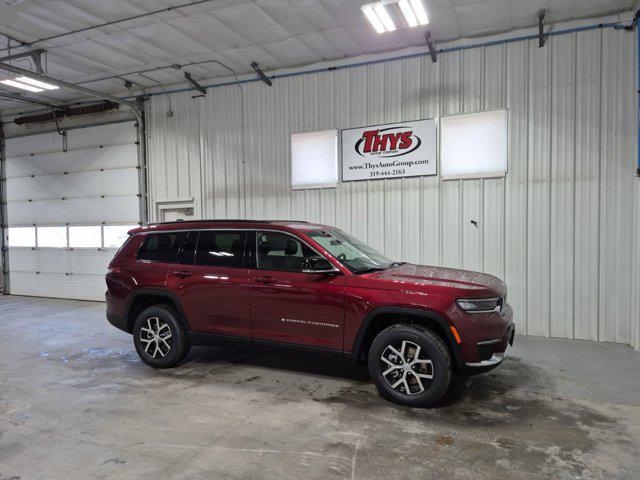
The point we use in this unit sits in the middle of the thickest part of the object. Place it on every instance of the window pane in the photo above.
(22, 236)
(474, 144)
(279, 251)
(115, 235)
(161, 247)
(85, 237)
(55, 237)
(221, 249)
(188, 250)
(314, 159)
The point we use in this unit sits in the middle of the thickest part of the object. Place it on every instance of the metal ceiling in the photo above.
(99, 44)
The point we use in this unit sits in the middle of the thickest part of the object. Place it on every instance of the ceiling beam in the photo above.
(16, 56)
(196, 85)
(23, 98)
(70, 86)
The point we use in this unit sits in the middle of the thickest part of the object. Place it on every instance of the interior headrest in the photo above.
(292, 247)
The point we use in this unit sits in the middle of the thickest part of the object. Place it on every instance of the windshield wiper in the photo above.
(396, 264)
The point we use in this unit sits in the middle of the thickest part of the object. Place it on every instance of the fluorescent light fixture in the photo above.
(37, 83)
(373, 18)
(22, 86)
(420, 12)
(408, 13)
(384, 17)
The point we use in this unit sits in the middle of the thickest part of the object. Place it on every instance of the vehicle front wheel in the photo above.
(410, 365)
(159, 337)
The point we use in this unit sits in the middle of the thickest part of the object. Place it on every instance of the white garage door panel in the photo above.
(88, 159)
(103, 135)
(56, 285)
(43, 260)
(97, 177)
(90, 261)
(79, 211)
(85, 184)
(33, 144)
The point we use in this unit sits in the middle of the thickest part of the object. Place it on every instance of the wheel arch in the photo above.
(145, 298)
(380, 318)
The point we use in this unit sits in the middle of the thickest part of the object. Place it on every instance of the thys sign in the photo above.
(404, 149)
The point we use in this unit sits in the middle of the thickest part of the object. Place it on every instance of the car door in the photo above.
(212, 283)
(287, 304)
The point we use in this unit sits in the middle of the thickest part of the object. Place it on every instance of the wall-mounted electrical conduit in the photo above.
(631, 26)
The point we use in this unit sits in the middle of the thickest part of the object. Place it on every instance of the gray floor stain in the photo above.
(77, 402)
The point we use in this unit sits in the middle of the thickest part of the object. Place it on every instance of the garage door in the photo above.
(69, 205)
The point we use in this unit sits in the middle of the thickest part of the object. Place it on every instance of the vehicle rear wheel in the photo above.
(410, 365)
(159, 337)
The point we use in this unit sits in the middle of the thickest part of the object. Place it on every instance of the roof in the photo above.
(101, 44)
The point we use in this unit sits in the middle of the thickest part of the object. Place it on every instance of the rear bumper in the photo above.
(118, 322)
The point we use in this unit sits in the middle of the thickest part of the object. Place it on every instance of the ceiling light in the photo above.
(408, 13)
(420, 12)
(373, 18)
(37, 83)
(29, 88)
(384, 17)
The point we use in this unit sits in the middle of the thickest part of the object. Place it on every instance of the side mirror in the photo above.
(318, 265)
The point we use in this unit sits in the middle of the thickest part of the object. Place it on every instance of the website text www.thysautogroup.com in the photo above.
(381, 169)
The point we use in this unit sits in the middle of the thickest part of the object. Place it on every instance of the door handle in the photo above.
(182, 274)
(266, 279)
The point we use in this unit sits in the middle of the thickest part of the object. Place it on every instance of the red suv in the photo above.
(308, 287)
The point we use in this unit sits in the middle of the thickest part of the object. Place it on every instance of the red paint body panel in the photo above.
(300, 308)
(214, 299)
(318, 310)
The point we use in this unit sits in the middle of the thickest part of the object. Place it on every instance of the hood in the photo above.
(475, 283)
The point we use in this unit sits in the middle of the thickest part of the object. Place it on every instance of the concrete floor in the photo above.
(77, 403)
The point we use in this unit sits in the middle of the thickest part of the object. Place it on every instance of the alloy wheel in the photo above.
(406, 367)
(156, 337)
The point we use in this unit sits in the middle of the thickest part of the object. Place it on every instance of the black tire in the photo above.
(172, 350)
(432, 349)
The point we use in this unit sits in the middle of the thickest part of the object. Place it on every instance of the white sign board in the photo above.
(406, 149)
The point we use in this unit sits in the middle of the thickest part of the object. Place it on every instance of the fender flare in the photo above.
(412, 312)
(158, 292)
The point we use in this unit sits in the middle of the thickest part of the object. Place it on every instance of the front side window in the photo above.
(357, 256)
(220, 249)
(279, 251)
(161, 247)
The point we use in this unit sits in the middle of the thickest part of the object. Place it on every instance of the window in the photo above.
(279, 251)
(85, 237)
(474, 145)
(115, 235)
(357, 256)
(220, 249)
(52, 237)
(188, 250)
(22, 236)
(314, 159)
(161, 247)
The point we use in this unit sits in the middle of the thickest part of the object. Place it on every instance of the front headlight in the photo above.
(479, 305)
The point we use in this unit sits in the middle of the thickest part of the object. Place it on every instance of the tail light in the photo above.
(114, 269)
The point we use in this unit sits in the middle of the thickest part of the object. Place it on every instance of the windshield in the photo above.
(352, 253)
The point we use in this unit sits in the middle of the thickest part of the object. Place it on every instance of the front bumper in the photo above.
(496, 358)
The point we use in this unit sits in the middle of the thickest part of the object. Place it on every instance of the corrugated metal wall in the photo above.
(562, 228)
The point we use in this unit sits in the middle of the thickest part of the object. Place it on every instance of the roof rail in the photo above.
(225, 220)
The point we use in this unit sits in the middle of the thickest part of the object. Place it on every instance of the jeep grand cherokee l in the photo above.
(310, 287)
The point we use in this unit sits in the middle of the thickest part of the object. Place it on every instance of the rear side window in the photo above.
(220, 248)
(161, 247)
